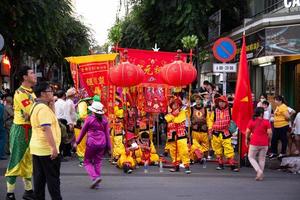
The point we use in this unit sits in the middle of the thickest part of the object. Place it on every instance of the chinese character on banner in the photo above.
(151, 62)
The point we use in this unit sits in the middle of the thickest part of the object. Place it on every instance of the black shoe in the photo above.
(234, 169)
(272, 156)
(10, 196)
(175, 169)
(220, 167)
(29, 195)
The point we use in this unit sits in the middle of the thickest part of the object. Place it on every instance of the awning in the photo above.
(92, 58)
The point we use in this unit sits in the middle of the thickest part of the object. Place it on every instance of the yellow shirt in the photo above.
(23, 100)
(82, 110)
(43, 115)
(279, 116)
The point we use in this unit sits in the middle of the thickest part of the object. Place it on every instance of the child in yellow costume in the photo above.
(199, 122)
(117, 134)
(146, 152)
(127, 159)
(177, 137)
(221, 137)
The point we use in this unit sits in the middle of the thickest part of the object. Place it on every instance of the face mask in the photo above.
(262, 100)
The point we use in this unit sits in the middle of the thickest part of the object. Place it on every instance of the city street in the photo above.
(202, 184)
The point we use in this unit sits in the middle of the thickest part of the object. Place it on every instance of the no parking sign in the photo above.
(224, 49)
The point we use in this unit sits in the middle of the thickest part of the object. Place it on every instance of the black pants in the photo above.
(279, 134)
(65, 149)
(47, 171)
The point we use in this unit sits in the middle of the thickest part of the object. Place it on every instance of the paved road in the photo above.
(202, 184)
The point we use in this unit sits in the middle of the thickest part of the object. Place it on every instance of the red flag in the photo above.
(243, 106)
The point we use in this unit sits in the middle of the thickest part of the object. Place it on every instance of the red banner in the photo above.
(74, 73)
(151, 62)
(94, 78)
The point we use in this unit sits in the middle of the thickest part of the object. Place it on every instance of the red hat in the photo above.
(221, 98)
(129, 136)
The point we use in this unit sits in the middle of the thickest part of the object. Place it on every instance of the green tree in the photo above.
(44, 30)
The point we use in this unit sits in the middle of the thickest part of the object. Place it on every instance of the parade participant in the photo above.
(146, 152)
(127, 159)
(20, 163)
(117, 131)
(82, 113)
(45, 142)
(97, 143)
(221, 137)
(145, 124)
(177, 137)
(199, 119)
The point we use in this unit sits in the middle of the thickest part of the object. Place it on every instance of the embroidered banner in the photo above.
(94, 78)
(151, 62)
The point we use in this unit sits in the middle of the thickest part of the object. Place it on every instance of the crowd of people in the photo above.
(46, 128)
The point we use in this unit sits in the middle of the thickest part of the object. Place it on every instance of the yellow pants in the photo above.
(202, 139)
(222, 146)
(118, 146)
(195, 147)
(182, 151)
(80, 151)
(126, 159)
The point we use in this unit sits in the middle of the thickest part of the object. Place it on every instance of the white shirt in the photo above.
(60, 109)
(70, 112)
(297, 124)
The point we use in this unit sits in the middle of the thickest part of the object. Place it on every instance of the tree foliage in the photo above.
(167, 22)
(44, 30)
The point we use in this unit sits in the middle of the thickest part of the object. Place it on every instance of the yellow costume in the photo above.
(117, 133)
(221, 137)
(20, 163)
(177, 139)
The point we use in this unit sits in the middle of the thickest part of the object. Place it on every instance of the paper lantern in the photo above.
(178, 73)
(5, 66)
(126, 75)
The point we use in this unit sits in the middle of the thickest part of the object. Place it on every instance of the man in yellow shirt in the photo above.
(44, 144)
(20, 163)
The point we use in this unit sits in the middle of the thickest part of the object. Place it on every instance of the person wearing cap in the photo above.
(127, 159)
(70, 114)
(97, 143)
(177, 136)
(82, 113)
(221, 137)
(199, 120)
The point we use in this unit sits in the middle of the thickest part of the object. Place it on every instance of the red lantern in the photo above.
(178, 73)
(5, 69)
(126, 75)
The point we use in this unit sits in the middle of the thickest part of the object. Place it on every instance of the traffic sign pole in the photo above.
(224, 83)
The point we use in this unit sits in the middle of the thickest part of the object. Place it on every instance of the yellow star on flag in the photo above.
(245, 99)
